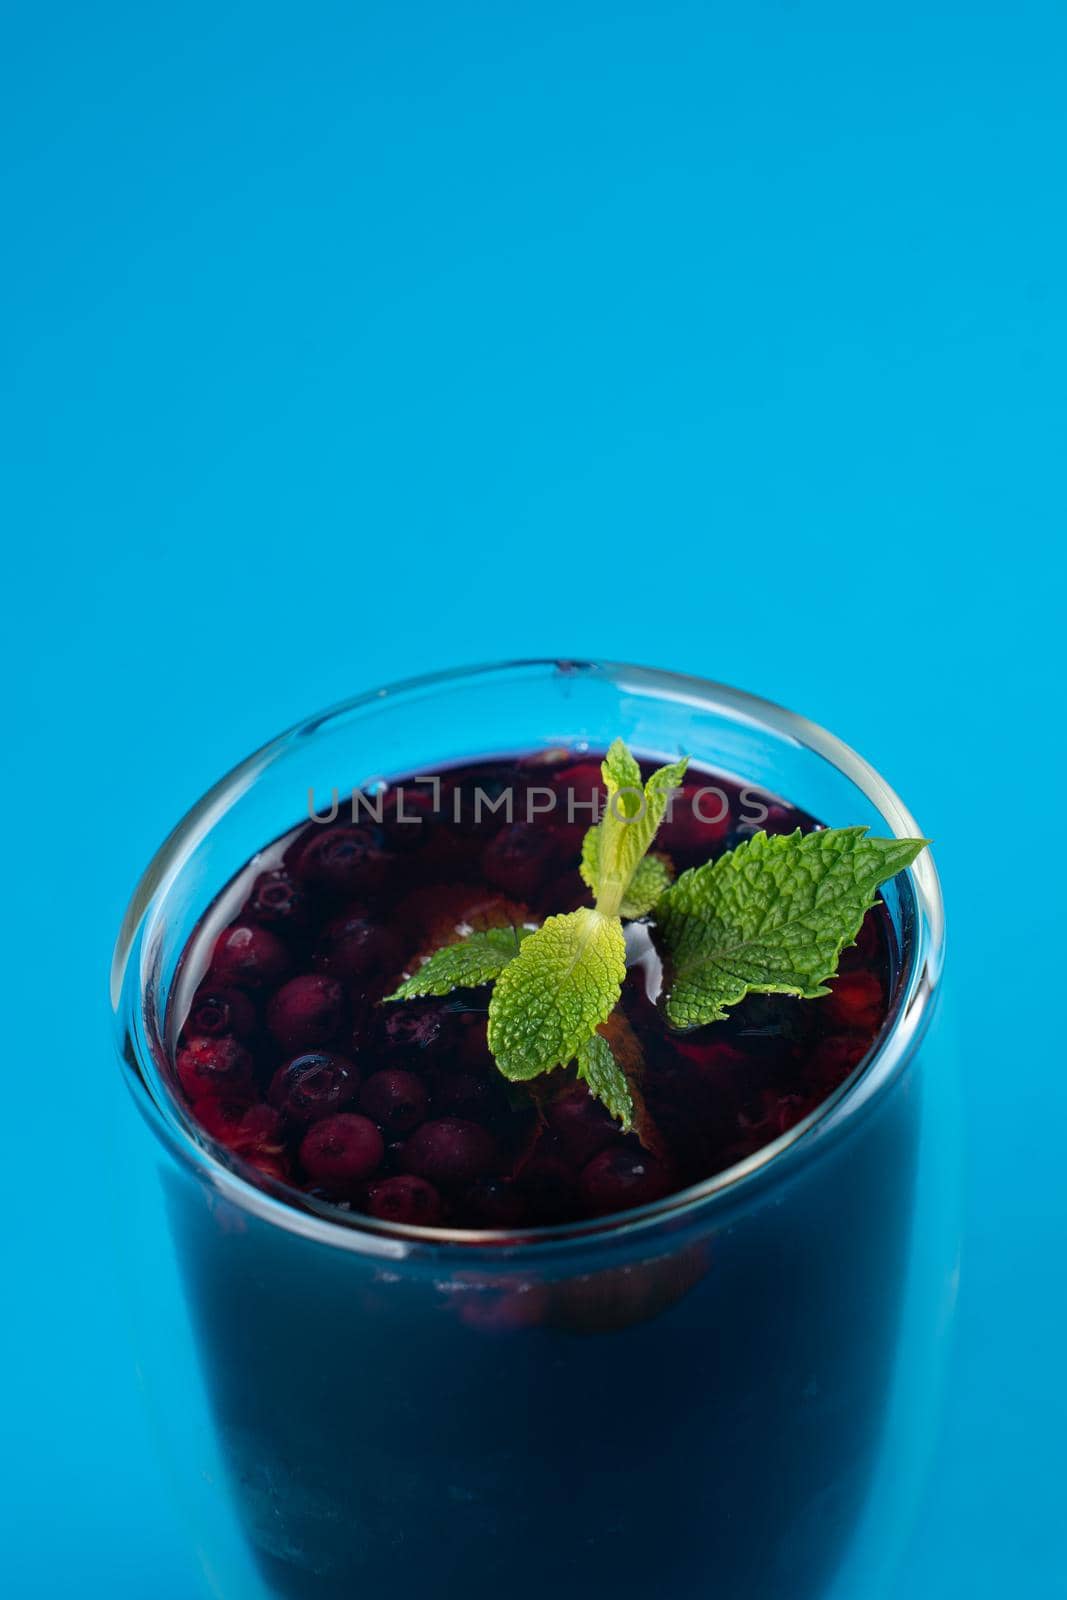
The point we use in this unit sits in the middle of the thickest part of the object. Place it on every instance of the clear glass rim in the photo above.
(900, 1035)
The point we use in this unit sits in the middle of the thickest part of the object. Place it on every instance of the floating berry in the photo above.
(619, 1179)
(278, 900)
(221, 1115)
(341, 1151)
(581, 1124)
(474, 1095)
(581, 793)
(482, 802)
(213, 1066)
(307, 1011)
(406, 1199)
(855, 1001)
(701, 817)
(242, 1126)
(414, 1030)
(443, 912)
(407, 815)
(450, 1151)
(250, 955)
(344, 861)
(259, 1132)
(313, 1085)
(519, 858)
(354, 945)
(396, 1100)
(216, 1010)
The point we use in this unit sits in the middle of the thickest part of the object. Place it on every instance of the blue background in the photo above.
(343, 342)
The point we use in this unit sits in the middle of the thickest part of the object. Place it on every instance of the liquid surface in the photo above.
(291, 1064)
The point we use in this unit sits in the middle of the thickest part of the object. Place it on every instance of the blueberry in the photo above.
(520, 858)
(341, 1151)
(250, 955)
(618, 1179)
(450, 1151)
(477, 1096)
(313, 1085)
(343, 861)
(702, 814)
(579, 787)
(354, 945)
(396, 1100)
(404, 1199)
(581, 1124)
(216, 1010)
(307, 1011)
(278, 900)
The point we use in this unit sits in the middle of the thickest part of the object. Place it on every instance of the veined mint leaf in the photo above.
(477, 959)
(771, 916)
(630, 1058)
(651, 877)
(604, 1078)
(565, 980)
(632, 815)
(620, 770)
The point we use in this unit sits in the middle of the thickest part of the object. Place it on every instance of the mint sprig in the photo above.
(771, 916)
(614, 849)
(467, 964)
(565, 981)
(651, 877)
(605, 1079)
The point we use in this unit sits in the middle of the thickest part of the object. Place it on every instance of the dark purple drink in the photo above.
(291, 1062)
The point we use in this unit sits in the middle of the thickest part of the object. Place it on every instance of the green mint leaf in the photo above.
(604, 1078)
(630, 1058)
(620, 770)
(771, 916)
(651, 878)
(565, 980)
(632, 815)
(477, 959)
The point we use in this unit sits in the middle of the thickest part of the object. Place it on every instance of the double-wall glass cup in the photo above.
(731, 1391)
